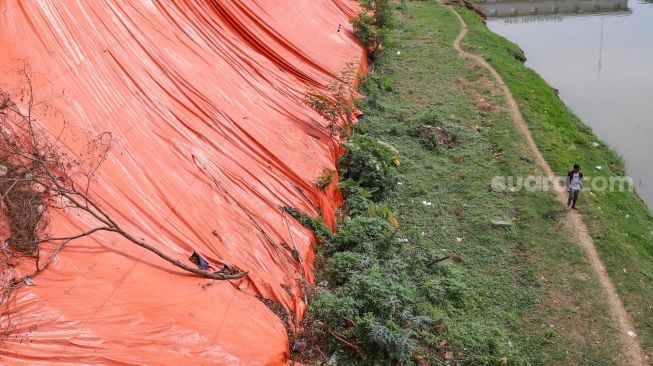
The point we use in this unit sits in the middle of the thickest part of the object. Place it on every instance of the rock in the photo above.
(3, 170)
(501, 223)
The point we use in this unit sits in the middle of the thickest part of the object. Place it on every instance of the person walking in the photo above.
(574, 184)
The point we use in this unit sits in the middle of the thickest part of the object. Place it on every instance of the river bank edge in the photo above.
(620, 223)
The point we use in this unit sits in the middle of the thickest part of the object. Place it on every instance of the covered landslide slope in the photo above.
(210, 137)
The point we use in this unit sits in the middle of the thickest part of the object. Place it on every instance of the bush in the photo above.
(369, 235)
(373, 309)
(373, 25)
(337, 103)
(370, 163)
(344, 265)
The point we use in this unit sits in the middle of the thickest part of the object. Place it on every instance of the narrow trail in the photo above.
(632, 350)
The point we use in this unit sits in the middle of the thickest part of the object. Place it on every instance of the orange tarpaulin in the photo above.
(203, 99)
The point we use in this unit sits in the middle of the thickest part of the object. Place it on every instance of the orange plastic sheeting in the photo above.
(203, 99)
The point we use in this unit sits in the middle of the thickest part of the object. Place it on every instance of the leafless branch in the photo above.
(41, 176)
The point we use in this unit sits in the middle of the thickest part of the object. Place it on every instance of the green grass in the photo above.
(620, 223)
(523, 294)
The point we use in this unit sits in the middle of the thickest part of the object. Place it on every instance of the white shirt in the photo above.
(574, 184)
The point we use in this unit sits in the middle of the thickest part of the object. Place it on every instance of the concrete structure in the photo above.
(517, 8)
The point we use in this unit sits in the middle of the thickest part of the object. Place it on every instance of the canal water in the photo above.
(599, 54)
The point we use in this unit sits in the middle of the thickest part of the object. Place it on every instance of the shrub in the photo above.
(372, 26)
(337, 103)
(370, 163)
(373, 309)
(370, 235)
(325, 179)
(343, 265)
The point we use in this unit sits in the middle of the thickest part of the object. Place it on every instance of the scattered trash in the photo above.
(595, 144)
(200, 262)
(40, 208)
(501, 223)
(402, 240)
(427, 203)
(599, 167)
(29, 282)
(400, 184)
(3, 170)
(510, 343)
(627, 216)
(624, 270)
(631, 333)
(298, 346)
(398, 52)
(423, 233)
(459, 239)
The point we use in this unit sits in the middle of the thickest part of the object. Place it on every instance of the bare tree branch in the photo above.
(42, 176)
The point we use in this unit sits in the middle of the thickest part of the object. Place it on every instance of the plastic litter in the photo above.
(199, 261)
(500, 223)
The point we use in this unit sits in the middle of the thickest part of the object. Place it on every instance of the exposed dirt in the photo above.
(436, 136)
(632, 350)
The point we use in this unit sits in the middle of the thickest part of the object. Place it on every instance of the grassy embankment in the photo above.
(507, 295)
(619, 222)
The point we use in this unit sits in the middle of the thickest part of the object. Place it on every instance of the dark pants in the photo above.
(573, 195)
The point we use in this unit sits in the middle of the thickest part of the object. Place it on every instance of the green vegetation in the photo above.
(373, 25)
(417, 273)
(620, 223)
(337, 102)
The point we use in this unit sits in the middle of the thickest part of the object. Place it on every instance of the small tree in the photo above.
(336, 105)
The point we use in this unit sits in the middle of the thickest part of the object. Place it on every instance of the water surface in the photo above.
(599, 54)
